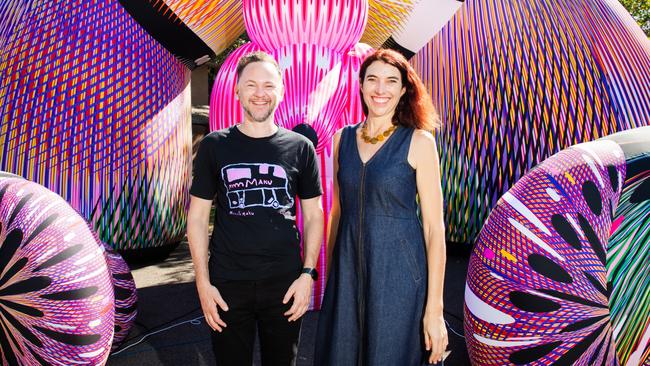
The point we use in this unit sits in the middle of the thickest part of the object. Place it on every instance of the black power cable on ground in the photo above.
(149, 331)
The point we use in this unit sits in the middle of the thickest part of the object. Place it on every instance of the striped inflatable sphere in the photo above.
(537, 291)
(56, 297)
(126, 296)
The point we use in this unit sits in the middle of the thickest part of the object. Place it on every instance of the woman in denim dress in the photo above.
(383, 302)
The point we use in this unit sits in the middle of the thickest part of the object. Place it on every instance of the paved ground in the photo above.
(168, 310)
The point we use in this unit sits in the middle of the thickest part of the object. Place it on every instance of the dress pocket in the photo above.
(413, 267)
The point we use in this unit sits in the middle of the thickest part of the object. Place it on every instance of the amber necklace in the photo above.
(380, 136)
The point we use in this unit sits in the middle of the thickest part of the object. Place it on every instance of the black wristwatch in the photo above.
(310, 271)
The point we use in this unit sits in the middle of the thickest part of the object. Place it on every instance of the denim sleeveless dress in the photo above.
(374, 301)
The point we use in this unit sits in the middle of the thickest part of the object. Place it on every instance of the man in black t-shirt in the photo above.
(255, 277)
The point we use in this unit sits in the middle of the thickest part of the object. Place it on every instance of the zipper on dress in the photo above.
(361, 285)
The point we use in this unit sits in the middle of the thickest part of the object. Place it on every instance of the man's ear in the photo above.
(281, 93)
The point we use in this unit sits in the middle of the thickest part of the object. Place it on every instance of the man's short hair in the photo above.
(257, 56)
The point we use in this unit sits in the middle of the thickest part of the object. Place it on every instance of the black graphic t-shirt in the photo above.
(256, 181)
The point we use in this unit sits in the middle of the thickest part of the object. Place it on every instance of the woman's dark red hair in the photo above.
(415, 108)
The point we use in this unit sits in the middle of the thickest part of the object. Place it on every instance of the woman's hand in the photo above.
(435, 335)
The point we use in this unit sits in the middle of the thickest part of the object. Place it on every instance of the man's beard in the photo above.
(264, 117)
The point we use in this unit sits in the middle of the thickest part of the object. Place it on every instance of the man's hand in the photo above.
(300, 290)
(211, 300)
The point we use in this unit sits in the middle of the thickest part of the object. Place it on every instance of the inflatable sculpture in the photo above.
(516, 82)
(314, 47)
(125, 294)
(425, 19)
(56, 296)
(628, 252)
(558, 272)
(95, 109)
(193, 31)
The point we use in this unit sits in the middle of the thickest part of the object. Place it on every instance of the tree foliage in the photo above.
(640, 10)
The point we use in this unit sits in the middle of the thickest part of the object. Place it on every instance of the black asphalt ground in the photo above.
(170, 331)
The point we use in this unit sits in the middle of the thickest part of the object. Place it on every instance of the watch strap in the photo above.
(310, 271)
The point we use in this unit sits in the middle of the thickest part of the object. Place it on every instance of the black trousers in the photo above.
(256, 304)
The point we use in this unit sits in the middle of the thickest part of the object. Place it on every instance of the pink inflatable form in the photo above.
(353, 59)
(320, 89)
(320, 64)
(336, 25)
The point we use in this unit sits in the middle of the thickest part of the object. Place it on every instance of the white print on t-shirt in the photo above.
(250, 185)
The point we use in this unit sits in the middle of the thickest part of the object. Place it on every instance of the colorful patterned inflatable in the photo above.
(628, 266)
(125, 293)
(56, 298)
(193, 31)
(316, 63)
(628, 252)
(95, 109)
(352, 63)
(517, 81)
(559, 272)
(336, 25)
(385, 17)
(423, 22)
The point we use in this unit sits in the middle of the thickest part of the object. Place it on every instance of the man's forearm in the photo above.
(197, 235)
(313, 230)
